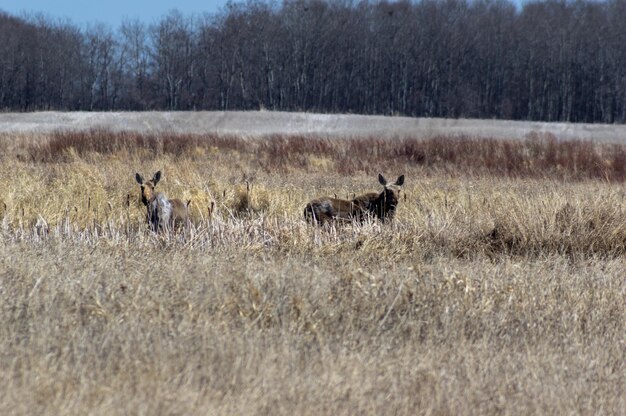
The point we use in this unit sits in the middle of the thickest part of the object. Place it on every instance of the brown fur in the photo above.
(162, 213)
(381, 205)
(325, 210)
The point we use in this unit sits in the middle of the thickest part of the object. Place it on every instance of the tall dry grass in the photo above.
(538, 156)
(496, 290)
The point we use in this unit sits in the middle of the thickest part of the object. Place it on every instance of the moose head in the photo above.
(147, 188)
(382, 205)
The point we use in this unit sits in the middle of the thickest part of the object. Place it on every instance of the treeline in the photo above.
(550, 60)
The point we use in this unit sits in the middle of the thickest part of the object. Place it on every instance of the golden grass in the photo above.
(486, 295)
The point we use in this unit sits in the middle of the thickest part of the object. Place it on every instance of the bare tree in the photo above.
(172, 57)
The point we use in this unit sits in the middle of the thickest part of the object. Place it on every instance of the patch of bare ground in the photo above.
(495, 290)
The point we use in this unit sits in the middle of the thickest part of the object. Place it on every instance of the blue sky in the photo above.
(111, 12)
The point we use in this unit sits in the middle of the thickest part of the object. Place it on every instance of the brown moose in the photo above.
(162, 213)
(381, 205)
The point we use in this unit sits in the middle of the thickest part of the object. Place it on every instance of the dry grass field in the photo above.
(498, 289)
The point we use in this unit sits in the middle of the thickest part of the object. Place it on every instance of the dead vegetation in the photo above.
(496, 289)
(537, 156)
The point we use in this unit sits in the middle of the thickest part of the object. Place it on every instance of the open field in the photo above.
(259, 123)
(498, 289)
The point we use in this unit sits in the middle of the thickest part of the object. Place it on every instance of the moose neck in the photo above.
(385, 204)
(145, 200)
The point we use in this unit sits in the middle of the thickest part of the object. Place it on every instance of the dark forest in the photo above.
(545, 60)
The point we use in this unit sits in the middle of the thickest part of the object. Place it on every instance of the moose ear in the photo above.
(382, 179)
(139, 179)
(157, 177)
(400, 180)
